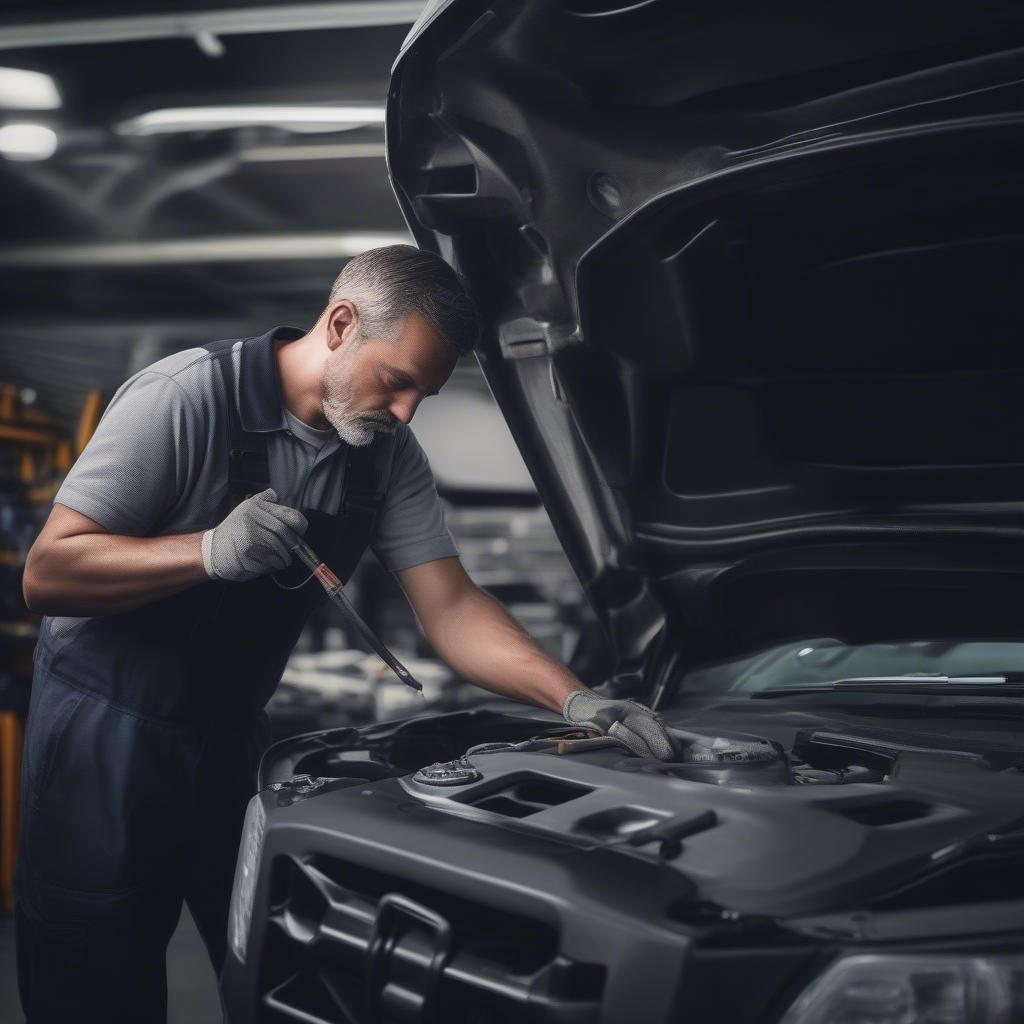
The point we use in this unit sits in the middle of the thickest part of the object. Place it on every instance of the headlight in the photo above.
(915, 990)
(240, 914)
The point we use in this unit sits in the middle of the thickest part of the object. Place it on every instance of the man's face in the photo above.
(370, 384)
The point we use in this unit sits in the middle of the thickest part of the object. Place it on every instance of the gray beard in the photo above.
(353, 428)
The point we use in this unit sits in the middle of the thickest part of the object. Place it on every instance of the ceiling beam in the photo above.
(70, 334)
(210, 24)
(252, 248)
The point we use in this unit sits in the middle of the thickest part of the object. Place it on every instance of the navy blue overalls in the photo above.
(142, 744)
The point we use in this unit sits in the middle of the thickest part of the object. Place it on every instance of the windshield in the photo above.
(815, 661)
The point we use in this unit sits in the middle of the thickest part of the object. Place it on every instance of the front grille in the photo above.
(349, 945)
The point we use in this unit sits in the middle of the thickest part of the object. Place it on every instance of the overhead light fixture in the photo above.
(220, 249)
(27, 90)
(292, 118)
(337, 151)
(27, 142)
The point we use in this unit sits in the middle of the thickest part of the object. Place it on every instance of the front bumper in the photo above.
(399, 911)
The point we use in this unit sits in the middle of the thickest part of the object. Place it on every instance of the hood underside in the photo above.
(752, 288)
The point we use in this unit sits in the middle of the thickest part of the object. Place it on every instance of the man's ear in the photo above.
(342, 323)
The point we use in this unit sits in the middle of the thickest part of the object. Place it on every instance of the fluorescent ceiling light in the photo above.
(27, 141)
(338, 151)
(27, 90)
(294, 118)
(220, 249)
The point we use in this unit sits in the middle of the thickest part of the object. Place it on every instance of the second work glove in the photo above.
(256, 538)
(629, 721)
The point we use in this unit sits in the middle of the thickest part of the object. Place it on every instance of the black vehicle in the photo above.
(753, 283)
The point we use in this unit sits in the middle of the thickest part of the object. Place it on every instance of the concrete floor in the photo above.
(191, 985)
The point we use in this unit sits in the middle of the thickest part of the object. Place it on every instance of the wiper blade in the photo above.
(1003, 684)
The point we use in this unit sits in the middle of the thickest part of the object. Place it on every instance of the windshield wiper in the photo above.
(1002, 684)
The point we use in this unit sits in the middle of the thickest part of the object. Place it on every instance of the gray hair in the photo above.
(388, 283)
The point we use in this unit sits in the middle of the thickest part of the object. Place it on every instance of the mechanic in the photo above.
(169, 616)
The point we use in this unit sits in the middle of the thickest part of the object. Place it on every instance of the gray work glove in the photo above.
(633, 723)
(256, 538)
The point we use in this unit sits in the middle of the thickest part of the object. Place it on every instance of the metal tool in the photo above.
(333, 586)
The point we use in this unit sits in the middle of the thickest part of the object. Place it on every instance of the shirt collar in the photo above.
(261, 404)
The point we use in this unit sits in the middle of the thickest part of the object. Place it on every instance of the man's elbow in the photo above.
(38, 596)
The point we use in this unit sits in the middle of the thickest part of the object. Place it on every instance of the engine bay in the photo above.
(830, 820)
(723, 758)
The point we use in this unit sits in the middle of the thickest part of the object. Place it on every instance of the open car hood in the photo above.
(752, 283)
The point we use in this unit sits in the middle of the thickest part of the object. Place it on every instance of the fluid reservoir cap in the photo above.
(448, 773)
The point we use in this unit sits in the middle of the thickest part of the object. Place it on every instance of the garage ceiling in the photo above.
(146, 230)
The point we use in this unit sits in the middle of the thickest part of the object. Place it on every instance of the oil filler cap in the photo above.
(448, 773)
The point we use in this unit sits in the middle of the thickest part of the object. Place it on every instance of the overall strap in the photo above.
(248, 468)
(366, 477)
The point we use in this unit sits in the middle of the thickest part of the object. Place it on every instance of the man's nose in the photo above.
(404, 406)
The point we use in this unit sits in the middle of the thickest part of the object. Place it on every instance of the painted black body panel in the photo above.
(555, 913)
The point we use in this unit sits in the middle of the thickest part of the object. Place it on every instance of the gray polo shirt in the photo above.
(157, 463)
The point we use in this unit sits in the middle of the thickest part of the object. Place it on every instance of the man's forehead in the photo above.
(414, 329)
(421, 344)
(419, 351)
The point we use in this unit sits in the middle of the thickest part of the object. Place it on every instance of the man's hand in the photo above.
(256, 538)
(633, 723)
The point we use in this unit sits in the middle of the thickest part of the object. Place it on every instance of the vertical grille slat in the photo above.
(343, 936)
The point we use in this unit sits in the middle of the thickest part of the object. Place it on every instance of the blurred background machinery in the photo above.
(173, 174)
(36, 450)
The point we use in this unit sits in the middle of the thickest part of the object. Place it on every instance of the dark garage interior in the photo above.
(667, 666)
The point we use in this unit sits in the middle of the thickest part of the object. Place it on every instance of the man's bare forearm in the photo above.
(481, 641)
(104, 573)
